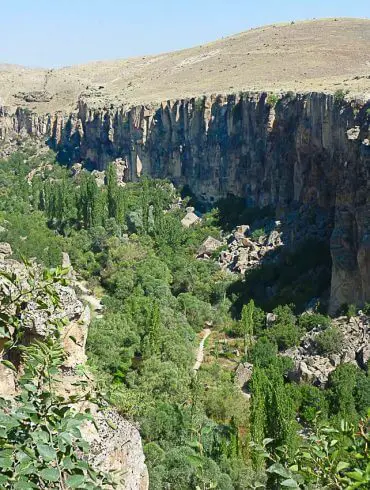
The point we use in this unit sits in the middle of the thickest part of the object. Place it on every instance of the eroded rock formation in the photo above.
(115, 442)
(310, 148)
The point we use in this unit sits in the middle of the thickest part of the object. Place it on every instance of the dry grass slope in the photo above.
(319, 55)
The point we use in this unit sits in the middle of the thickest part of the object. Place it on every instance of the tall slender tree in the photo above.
(247, 325)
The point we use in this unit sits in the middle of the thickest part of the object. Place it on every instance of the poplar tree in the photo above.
(145, 198)
(258, 418)
(247, 325)
(90, 212)
(112, 191)
(152, 340)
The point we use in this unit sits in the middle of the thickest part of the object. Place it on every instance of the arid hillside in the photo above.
(318, 55)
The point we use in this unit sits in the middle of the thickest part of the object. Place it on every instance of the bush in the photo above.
(330, 341)
(256, 234)
(340, 95)
(366, 309)
(351, 311)
(308, 322)
(285, 336)
(262, 352)
(284, 332)
(312, 402)
(272, 100)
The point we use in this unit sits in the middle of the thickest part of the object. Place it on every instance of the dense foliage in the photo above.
(199, 430)
(41, 444)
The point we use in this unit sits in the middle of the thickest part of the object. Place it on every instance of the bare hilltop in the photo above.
(317, 55)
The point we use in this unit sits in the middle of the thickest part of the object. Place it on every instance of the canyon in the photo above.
(255, 133)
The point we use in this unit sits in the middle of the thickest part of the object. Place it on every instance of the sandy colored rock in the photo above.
(316, 55)
(190, 219)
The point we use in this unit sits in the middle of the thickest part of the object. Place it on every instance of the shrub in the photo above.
(366, 309)
(285, 336)
(330, 341)
(256, 234)
(312, 402)
(199, 104)
(339, 96)
(262, 352)
(284, 332)
(272, 100)
(308, 322)
(351, 311)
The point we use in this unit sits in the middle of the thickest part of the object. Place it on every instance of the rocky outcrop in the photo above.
(310, 149)
(115, 442)
(244, 252)
(311, 367)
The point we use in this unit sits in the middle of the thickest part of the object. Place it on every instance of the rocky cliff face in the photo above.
(306, 149)
(114, 446)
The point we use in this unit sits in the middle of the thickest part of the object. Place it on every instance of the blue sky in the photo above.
(55, 33)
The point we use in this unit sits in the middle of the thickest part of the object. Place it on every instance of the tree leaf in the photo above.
(50, 474)
(48, 453)
(66, 437)
(290, 483)
(67, 463)
(9, 365)
(24, 485)
(356, 475)
(75, 481)
(5, 463)
(279, 469)
(341, 466)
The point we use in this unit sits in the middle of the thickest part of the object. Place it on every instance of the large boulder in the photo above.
(209, 245)
(190, 219)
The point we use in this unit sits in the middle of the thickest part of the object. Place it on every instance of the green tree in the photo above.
(41, 445)
(247, 325)
(258, 419)
(152, 341)
(112, 190)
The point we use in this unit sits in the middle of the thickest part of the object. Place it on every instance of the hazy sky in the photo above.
(54, 33)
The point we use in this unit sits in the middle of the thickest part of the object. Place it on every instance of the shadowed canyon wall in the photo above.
(310, 148)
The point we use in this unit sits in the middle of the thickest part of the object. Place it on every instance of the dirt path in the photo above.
(200, 352)
(94, 302)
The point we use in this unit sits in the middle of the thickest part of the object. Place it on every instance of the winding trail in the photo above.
(94, 302)
(200, 352)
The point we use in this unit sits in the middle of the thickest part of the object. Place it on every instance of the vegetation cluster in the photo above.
(199, 430)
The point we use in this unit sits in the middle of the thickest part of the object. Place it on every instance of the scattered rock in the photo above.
(190, 219)
(245, 253)
(243, 375)
(5, 250)
(353, 133)
(314, 368)
(34, 96)
(99, 177)
(209, 245)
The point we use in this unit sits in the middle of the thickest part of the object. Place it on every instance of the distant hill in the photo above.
(317, 55)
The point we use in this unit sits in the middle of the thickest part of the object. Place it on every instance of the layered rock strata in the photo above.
(311, 149)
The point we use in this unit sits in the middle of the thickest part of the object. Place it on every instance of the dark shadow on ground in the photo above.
(286, 277)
